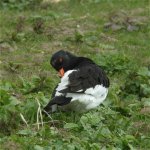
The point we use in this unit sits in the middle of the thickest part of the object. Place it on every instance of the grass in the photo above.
(32, 30)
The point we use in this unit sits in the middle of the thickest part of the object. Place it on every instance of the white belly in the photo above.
(92, 98)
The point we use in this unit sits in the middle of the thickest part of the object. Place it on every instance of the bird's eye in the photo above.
(60, 59)
(57, 61)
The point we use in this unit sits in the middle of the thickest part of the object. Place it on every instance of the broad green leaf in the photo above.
(146, 101)
(14, 101)
(26, 132)
(70, 126)
(37, 147)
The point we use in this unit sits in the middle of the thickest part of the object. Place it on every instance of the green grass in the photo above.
(31, 31)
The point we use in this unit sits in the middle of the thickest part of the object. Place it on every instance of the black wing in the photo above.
(86, 77)
(59, 100)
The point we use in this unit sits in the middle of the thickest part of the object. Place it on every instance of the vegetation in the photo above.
(114, 33)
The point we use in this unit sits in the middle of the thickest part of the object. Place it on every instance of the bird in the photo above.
(83, 84)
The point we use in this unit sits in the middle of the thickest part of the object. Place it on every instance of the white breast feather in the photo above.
(64, 83)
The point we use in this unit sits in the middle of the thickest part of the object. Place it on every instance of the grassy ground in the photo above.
(114, 33)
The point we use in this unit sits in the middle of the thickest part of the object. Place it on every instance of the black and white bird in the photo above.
(83, 85)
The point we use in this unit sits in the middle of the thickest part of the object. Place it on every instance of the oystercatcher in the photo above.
(83, 85)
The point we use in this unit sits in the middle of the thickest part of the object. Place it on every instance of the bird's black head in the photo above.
(63, 59)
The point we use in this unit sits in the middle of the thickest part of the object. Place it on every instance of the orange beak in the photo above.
(61, 72)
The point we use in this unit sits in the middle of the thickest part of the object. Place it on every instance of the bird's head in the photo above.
(63, 61)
